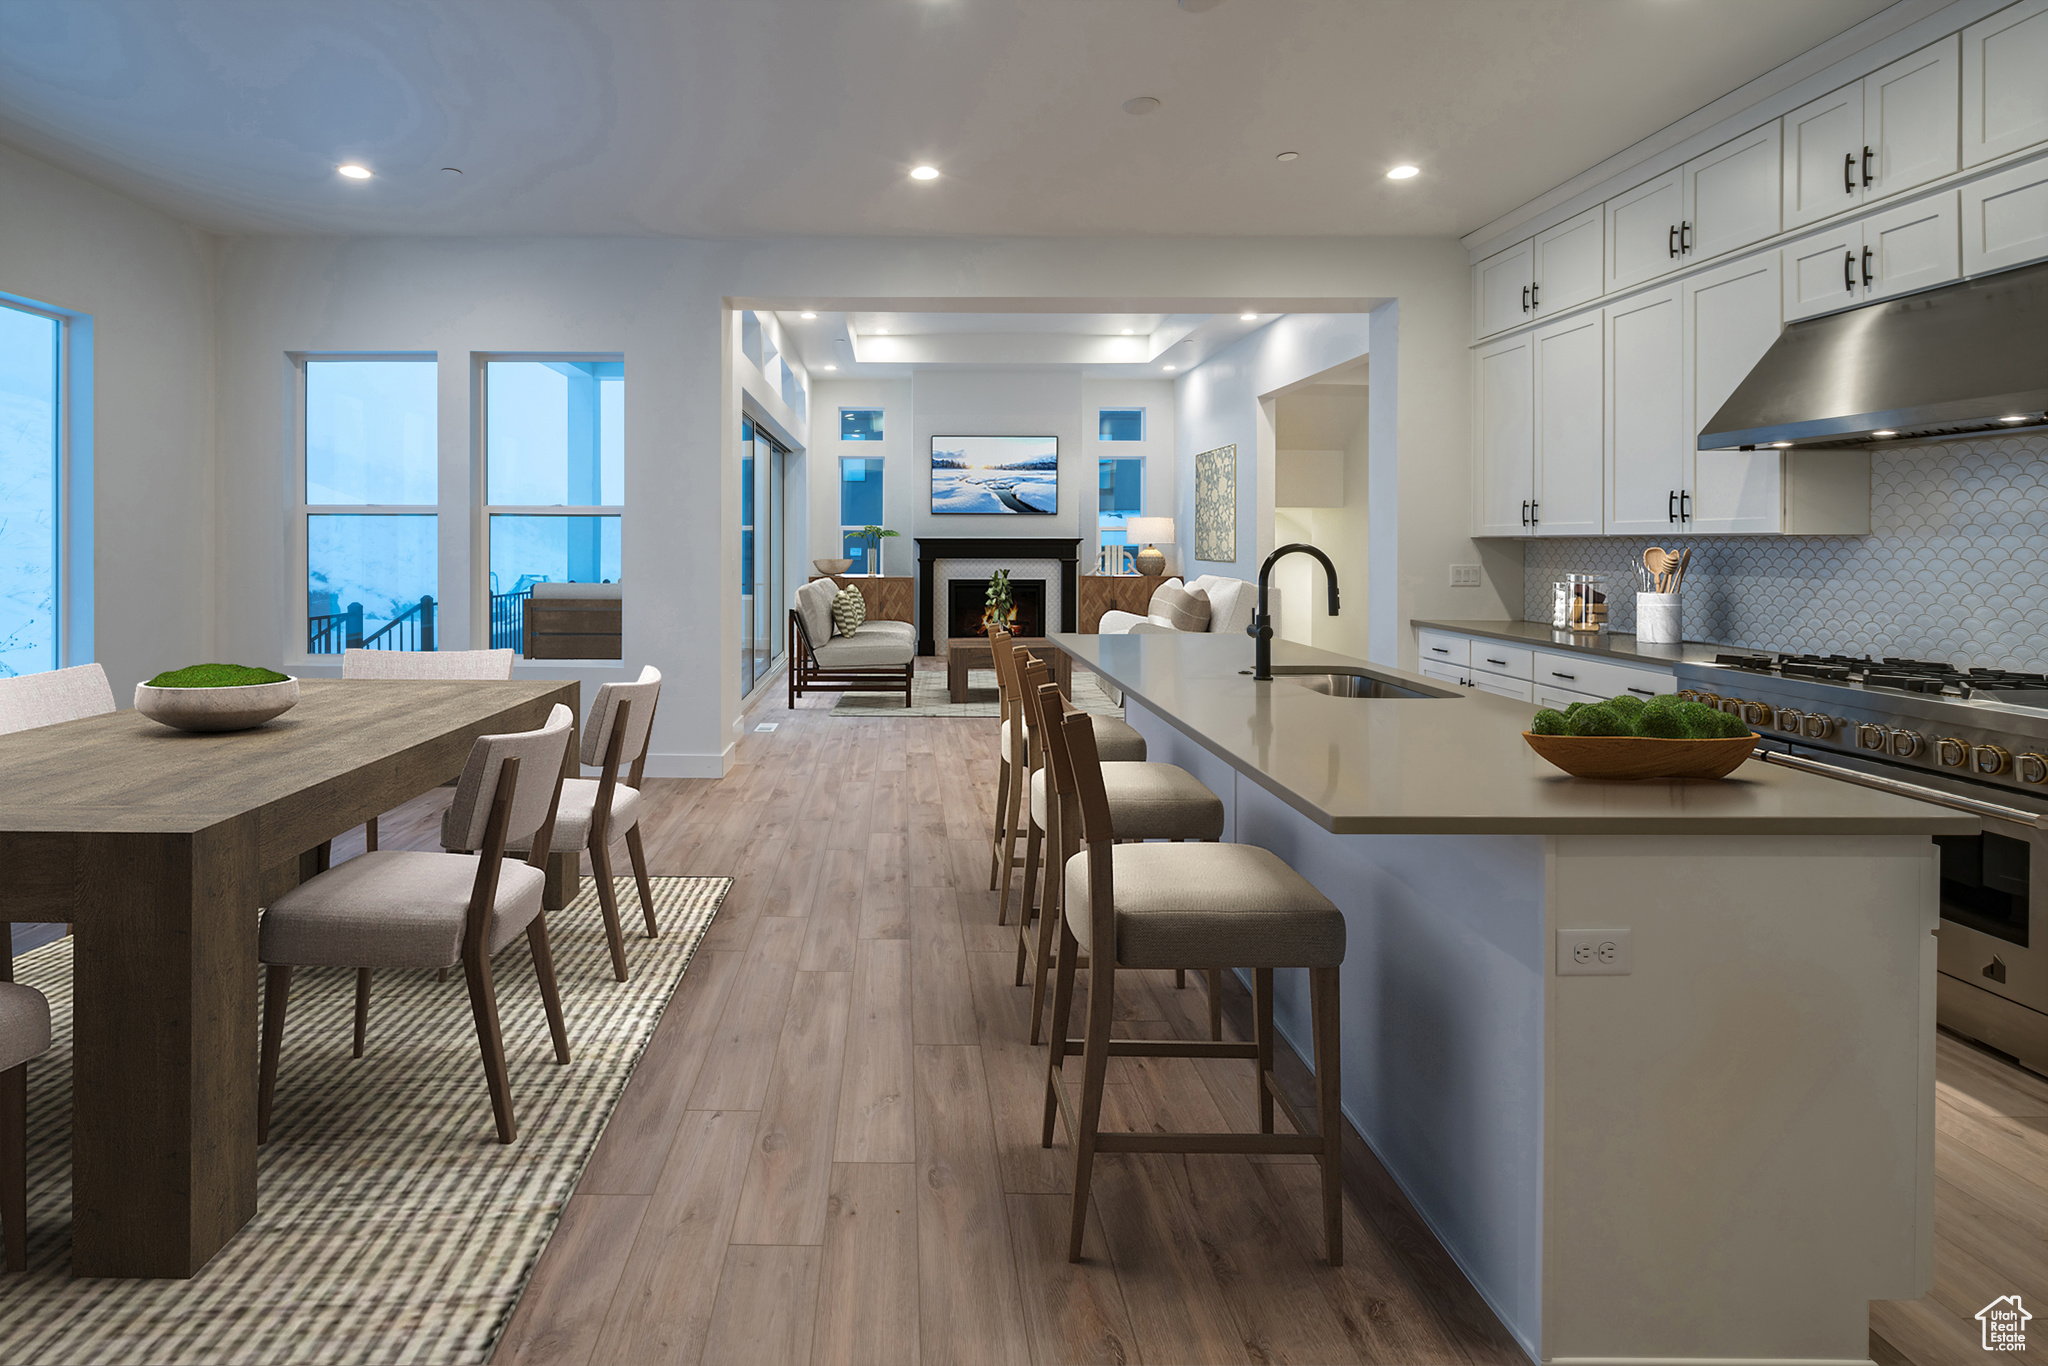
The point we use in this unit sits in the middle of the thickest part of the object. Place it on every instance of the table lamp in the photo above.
(1150, 530)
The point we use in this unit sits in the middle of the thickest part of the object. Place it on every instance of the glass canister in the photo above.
(1586, 602)
(1560, 606)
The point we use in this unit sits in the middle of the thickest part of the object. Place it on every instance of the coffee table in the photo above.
(974, 652)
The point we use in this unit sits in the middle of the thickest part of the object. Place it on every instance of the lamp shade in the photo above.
(1149, 530)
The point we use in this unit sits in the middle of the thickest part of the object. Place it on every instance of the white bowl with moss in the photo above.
(216, 697)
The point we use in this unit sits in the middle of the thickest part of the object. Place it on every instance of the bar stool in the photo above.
(1018, 757)
(1148, 801)
(1155, 905)
(24, 1034)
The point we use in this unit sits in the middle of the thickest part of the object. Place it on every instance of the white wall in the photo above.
(1003, 403)
(146, 284)
(906, 481)
(1325, 418)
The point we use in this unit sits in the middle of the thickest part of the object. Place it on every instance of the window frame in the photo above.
(61, 454)
(1143, 423)
(1137, 460)
(883, 427)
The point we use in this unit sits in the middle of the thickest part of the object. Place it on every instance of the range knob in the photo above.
(1816, 726)
(1906, 743)
(1695, 695)
(2031, 768)
(1789, 719)
(1950, 752)
(1870, 736)
(1990, 760)
(1756, 713)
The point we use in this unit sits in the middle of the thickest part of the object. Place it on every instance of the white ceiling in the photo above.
(729, 118)
(878, 344)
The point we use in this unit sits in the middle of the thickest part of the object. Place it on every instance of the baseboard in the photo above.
(661, 765)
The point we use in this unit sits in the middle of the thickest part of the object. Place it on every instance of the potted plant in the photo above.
(872, 537)
(997, 615)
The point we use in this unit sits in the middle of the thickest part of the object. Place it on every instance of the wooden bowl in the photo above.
(1632, 756)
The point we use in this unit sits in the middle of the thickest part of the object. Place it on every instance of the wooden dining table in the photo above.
(159, 846)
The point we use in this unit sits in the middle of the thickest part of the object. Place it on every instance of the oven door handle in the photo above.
(1892, 785)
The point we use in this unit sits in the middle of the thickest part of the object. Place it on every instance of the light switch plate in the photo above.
(1593, 953)
(1464, 576)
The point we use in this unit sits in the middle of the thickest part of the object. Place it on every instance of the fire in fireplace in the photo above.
(967, 607)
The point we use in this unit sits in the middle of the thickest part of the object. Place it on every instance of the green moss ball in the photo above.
(1663, 723)
(1628, 704)
(216, 676)
(1574, 709)
(1548, 722)
(1600, 719)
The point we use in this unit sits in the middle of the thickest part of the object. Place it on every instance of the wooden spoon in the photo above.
(1653, 561)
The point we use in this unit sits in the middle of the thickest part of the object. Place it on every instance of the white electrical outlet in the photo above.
(1593, 953)
(1464, 576)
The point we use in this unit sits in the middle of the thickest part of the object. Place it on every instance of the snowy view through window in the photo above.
(554, 437)
(995, 474)
(28, 492)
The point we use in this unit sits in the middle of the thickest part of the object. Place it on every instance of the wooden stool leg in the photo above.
(1034, 841)
(1094, 1066)
(995, 839)
(638, 853)
(1062, 1014)
(370, 835)
(1262, 1035)
(14, 1163)
(1215, 1005)
(362, 1009)
(608, 902)
(1054, 909)
(1180, 979)
(277, 990)
(483, 1003)
(551, 997)
(1010, 833)
(1322, 989)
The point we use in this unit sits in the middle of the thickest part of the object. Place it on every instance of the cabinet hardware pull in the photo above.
(1525, 512)
(1849, 271)
(1674, 239)
(1491, 660)
(1685, 505)
(1849, 174)
(1866, 165)
(1646, 692)
(1671, 507)
(1438, 650)
(1525, 298)
(1536, 295)
(1867, 278)
(1555, 674)
(1685, 237)
(1533, 518)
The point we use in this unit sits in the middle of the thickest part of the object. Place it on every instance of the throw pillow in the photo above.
(1184, 609)
(849, 610)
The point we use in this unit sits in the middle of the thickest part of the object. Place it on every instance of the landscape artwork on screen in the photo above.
(996, 475)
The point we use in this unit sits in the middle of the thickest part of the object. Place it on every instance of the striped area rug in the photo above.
(392, 1226)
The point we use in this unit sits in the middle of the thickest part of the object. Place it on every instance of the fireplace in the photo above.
(967, 605)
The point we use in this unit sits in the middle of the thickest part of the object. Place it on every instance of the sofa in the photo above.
(880, 656)
(1231, 605)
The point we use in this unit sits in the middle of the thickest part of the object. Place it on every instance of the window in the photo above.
(30, 449)
(763, 595)
(554, 479)
(860, 424)
(860, 504)
(1120, 424)
(1122, 496)
(370, 491)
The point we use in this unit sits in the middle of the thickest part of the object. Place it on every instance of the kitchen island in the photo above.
(1716, 1145)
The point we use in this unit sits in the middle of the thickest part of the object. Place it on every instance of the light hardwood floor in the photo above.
(829, 1152)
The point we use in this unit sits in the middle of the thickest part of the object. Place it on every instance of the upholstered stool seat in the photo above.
(1150, 802)
(393, 909)
(24, 1024)
(24, 1034)
(1209, 903)
(1116, 739)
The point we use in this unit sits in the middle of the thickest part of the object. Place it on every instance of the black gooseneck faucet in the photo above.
(1261, 629)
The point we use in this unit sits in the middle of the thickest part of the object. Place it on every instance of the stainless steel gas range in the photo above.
(1976, 740)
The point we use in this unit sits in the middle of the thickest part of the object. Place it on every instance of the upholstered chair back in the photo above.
(540, 754)
(31, 700)
(597, 736)
(475, 664)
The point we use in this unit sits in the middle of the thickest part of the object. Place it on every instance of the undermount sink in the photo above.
(1348, 684)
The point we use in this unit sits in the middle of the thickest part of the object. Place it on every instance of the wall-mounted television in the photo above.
(996, 475)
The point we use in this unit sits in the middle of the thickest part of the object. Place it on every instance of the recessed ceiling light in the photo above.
(807, 314)
(1143, 104)
(831, 367)
(1288, 156)
(1404, 173)
(881, 331)
(1127, 332)
(1247, 317)
(1884, 433)
(353, 171)
(924, 173)
(1166, 367)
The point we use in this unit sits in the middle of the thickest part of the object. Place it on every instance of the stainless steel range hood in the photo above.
(1959, 360)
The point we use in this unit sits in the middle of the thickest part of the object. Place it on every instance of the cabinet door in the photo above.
(1642, 230)
(1731, 319)
(2005, 217)
(1910, 113)
(1504, 466)
(1516, 688)
(1823, 157)
(1569, 449)
(1646, 437)
(1557, 699)
(1823, 272)
(1731, 195)
(1569, 263)
(1500, 291)
(1443, 673)
(2005, 95)
(1915, 246)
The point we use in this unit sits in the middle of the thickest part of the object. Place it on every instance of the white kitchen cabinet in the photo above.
(1823, 146)
(1568, 424)
(1642, 230)
(1435, 647)
(1443, 673)
(1647, 441)
(1519, 689)
(1910, 121)
(1821, 272)
(1731, 318)
(1557, 699)
(1732, 195)
(1568, 263)
(2005, 216)
(1500, 290)
(2005, 82)
(1915, 246)
(1503, 437)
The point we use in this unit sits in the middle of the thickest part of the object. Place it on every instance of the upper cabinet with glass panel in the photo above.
(555, 433)
(370, 434)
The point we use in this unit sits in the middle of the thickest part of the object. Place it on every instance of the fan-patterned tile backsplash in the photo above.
(1955, 568)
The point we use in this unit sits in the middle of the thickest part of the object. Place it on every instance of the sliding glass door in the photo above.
(763, 591)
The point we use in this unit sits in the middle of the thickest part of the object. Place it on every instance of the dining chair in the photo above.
(395, 909)
(489, 666)
(594, 811)
(28, 701)
(24, 1034)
